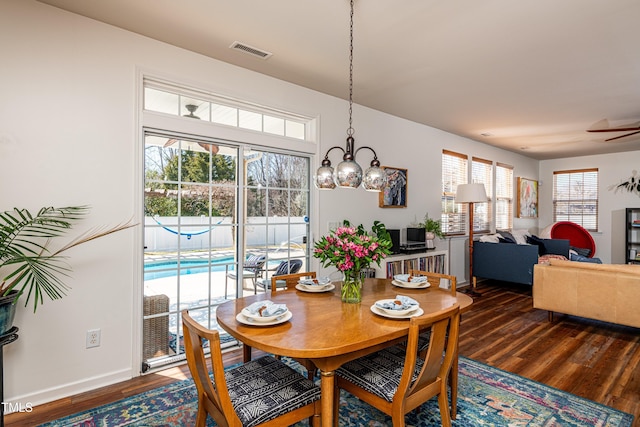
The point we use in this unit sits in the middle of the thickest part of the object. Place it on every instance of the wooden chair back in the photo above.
(213, 397)
(435, 278)
(443, 349)
(289, 281)
(430, 381)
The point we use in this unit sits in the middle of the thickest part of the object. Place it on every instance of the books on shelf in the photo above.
(434, 263)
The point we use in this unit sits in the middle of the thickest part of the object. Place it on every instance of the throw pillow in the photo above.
(580, 258)
(581, 251)
(535, 240)
(490, 238)
(520, 236)
(507, 236)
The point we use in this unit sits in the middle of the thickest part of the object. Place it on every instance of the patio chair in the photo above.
(252, 269)
(396, 380)
(285, 267)
(278, 394)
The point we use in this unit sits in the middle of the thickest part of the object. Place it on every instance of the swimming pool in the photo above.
(159, 270)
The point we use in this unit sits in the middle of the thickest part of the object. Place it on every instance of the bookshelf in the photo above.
(632, 236)
(431, 260)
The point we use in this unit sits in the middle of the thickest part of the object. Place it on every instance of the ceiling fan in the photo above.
(603, 126)
(211, 148)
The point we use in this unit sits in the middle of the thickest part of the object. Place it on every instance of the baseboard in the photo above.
(64, 391)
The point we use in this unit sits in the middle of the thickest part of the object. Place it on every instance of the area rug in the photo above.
(486, 397)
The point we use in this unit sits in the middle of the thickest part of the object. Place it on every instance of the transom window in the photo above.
(166, 98)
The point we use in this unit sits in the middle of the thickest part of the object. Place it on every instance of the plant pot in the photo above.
(7, 311)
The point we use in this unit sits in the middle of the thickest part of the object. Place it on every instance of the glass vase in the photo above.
(351, 291)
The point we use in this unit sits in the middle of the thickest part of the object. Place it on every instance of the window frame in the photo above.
(504, 196)
(453, 216)
(588, 179)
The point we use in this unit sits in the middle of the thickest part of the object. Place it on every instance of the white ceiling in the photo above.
(534, 74)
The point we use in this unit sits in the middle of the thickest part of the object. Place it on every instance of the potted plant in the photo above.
(28, 265)
(432, 228)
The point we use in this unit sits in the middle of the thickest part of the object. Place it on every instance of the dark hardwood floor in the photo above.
(595, 360)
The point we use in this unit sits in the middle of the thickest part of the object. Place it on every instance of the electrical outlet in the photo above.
(93, 338)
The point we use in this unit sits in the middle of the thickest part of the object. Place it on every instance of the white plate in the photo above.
(380, 312)
(315, 288)
(284, 317)
(260, 319)
(395, 313)
(410, 285)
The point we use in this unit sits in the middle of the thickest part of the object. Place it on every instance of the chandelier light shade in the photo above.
(348, 173)
(471, 193)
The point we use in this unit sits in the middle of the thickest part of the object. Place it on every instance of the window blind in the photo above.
(482, 172)
(504, 197)
(575, 197)
(454, 173)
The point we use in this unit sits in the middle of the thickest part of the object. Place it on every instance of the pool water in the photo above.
(160, 270)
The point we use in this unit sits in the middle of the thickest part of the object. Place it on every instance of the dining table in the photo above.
(322, 328)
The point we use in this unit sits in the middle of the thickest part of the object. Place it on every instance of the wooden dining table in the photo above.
(329, 332)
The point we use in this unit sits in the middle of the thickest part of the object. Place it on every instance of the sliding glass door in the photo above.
(211, 209)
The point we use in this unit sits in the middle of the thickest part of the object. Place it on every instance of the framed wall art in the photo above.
(527, 198)
(395, 191)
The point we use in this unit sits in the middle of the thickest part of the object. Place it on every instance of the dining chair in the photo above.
(291, 266)
(288, 282)
(233, 397)
(436, 280)
(279, 281)
(396, 380)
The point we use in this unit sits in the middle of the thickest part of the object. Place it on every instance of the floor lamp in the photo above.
(471, 193)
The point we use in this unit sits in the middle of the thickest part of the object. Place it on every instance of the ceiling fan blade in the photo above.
(210, 148)
(623, 136)
(603, 126)
(170, 142)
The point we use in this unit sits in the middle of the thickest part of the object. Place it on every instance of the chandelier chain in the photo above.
(350, 130)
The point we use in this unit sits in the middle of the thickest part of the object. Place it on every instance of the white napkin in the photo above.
(410, 279)
(320, 281)
(405, 303)
(270, 308)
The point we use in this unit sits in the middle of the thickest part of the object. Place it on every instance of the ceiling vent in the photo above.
(250, 50)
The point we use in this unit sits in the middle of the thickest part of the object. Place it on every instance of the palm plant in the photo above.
(32, 267)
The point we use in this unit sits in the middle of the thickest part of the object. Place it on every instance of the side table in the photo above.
(5, 339)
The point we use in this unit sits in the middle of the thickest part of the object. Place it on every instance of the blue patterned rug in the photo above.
(486, 397)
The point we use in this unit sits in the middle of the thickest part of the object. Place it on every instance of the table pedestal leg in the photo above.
(327, 384)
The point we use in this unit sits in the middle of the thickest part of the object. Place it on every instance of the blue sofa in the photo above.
(510, 262)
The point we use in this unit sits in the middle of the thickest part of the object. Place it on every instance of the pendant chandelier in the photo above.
(348, 173)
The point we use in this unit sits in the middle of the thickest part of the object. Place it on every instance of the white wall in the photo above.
(612, 170)
(69, 135)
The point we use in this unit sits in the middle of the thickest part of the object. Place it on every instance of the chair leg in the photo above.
(201, 417)
(246, 353)
(454, 388)
(444, 407)
(336, 405)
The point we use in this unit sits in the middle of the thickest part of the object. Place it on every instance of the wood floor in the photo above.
(598, 361)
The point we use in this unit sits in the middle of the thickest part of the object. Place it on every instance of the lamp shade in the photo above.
(471, 193)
